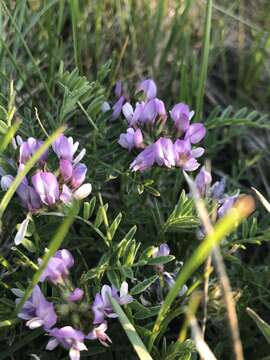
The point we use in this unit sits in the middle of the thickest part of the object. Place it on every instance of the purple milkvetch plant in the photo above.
(117, 108)
(131, 139)
(37, 311)
(152, 111)
(58, 267)
(70, 338)
(149, 88)
(102, 305)
(99, 333)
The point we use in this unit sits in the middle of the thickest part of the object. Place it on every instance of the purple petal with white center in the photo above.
(46, 185)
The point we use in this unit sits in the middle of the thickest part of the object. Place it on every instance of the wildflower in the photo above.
(66, 169)
(105, 107)
(149, 88)
(117, 108)
(70, 338)
(29, 197)
(217, 189)
(28, 148)
(118, 89)
(186, 156)
(226, 204)
(195, 133)
(132, 138)
(6, 181)
(133, 117)
(78, 175)
(22, 231)
(202, 180)
(58, 267)
(37, 311)
(98, 333)
(164, 152)
(162, 250)
(102, 305)
(144, 160)
(170, 281)
(152, 111)
(64, 147)
(46, 185)
(76, 295)
(181, 115)
(66, 194)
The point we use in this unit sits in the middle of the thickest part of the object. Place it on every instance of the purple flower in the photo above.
(170, 281)
(102, 305)
(226, 204)
(78, 175)
(152, 111)
(144, 160)
(164, 152)
(181, 116)
(38, 311)
(66, 194)
(217, 189)
(6, 181)
(132, 138)
(185, 156)
(127, 111)
(29, 197)
(46, 185)
(76, 295)
(149, 88)
(195, 133)
(66, 169)
(58, 267)
(64, 147)
(202, 180)
(70, 338)
(28, 148)
(118, 89)
(162, 250)
(98, 333)
(117, 108)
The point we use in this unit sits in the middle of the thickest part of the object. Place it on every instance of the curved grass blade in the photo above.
(222, 229)
(134, 338)
(9, 135)
(53, 247)
(30, 163)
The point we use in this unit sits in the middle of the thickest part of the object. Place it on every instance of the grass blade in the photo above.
(206, 47)
(134, 338)
(223, 228)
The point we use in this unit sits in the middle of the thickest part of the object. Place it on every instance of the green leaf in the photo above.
(262, 325)
(115, 224)
(139, 288)
(113, 278)
(160, 260)
(147, 312)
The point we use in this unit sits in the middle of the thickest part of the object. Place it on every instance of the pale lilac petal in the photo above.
(6, 181)
(149, 88)
(195, 133)
(127, 110)
(191, 165)
(52, 344)
(22, 231)
(66, 195)
(197, 152)
(66, 169)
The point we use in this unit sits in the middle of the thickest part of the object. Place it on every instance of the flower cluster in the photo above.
(46, 186)
(160, 142)
(91, 323)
